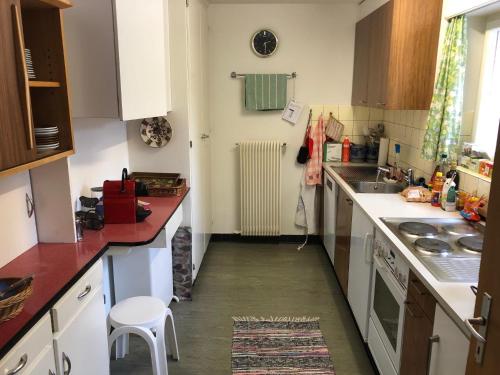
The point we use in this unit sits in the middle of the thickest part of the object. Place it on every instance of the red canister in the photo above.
(346, 149)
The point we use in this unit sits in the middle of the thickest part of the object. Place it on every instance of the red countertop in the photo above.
(56, 267)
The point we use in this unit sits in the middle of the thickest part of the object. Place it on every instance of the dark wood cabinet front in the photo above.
(343, 239)
(420, 307)
(16, 138)
(395, 55)
(361, 63)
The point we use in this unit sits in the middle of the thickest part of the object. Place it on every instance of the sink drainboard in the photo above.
(464, 270)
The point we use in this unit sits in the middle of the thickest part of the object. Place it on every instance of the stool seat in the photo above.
(147, 317)
(143, 311)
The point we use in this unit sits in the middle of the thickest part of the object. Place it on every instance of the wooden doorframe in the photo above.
(489, 282)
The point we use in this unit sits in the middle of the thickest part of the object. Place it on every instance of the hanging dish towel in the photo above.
(315, 163)
(304, 214)
(265, 92)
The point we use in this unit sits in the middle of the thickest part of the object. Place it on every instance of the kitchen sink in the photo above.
(374, 188)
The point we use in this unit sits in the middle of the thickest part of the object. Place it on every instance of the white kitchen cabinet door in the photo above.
(329, 214)
(90, 51)
(360, 268)
(141, 58)
(33, 354)
(118, 59)
(44, 364)
(83, 344)
(449, 354)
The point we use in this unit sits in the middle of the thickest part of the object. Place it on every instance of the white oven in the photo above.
(389, 284)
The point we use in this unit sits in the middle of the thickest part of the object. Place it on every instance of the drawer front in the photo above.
(174, 223)
(25, 354)
(76, 297)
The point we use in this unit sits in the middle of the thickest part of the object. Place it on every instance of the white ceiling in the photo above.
(283, 1)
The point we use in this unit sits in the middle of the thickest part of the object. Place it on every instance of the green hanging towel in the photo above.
(265, 92)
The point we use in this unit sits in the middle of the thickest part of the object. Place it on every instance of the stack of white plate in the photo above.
(29, 64)
(47, 139)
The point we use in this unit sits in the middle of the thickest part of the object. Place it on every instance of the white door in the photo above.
(329, 215)
(83, 343)
(199, 130)
(360, 268)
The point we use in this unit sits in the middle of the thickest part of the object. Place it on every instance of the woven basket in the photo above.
(12, 306)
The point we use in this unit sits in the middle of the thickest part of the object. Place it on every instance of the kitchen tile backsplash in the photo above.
(404, 127)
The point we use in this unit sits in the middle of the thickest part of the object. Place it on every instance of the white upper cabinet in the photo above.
(118, 58)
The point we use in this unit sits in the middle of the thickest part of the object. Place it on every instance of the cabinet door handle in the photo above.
(66, 361)
(432, 340)
(20, 365)
(381, 104)
(51, 372)
(87, 290)
(23, 77)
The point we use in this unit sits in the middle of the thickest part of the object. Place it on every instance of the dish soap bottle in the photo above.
(451, 198)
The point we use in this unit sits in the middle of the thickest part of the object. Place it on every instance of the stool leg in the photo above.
(147, 335)
(162, 353)
(172, 337)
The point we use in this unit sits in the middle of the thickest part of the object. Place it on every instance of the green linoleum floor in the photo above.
(240, 279)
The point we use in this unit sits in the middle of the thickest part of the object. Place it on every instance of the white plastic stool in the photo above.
(146, 317)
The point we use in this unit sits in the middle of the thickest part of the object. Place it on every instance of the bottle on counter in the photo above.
(451, 199)
(437, 189)
(453, 171)
(346, 150)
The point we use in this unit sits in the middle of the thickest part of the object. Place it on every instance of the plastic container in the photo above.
(449, 183)
(437, 189)
(451, 197)
(346, 150)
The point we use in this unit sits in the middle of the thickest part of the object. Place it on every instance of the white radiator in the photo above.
(260, 186)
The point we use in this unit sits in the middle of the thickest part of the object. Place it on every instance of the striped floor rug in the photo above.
(282, 346)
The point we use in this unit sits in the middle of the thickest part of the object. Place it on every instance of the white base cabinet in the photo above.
(360, 268)
(449, 354)
(329, 214)
(33, 354)
(79, 322)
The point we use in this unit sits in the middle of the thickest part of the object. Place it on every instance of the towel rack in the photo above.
(238, 75)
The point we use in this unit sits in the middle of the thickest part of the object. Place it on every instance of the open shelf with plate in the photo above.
(40, 119)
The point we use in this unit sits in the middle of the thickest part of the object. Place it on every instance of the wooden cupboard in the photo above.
(395, 55)
(343, 239)
(420, 308)
(118, 53)
(25, 103)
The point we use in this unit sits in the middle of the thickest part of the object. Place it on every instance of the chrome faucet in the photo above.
(380, 170)
(409, 177)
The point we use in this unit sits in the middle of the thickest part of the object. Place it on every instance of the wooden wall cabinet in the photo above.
(26, 104)
(118, 53)
(395, 55)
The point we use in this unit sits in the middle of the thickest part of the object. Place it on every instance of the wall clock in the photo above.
(264, 43)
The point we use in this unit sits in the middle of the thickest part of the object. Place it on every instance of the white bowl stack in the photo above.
(29, 64)
(47, 139)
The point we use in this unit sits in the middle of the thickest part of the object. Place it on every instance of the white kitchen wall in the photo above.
(18, 230)
(101, 153)
(317, 42)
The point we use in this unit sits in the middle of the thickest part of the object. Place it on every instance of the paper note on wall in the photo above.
(292, 112)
